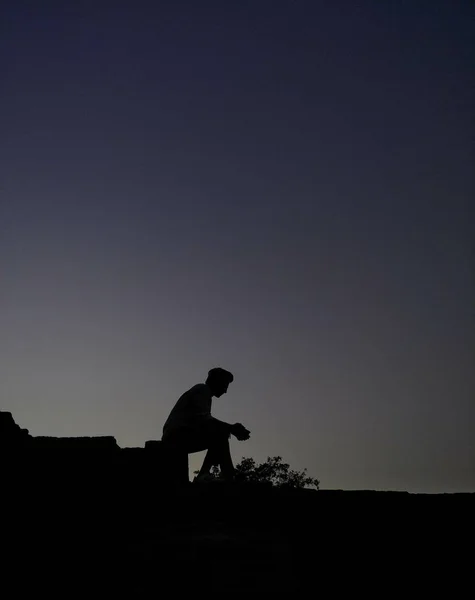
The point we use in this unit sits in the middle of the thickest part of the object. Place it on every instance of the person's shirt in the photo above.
(191, 409)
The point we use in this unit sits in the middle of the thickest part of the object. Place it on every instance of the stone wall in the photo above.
(95, 457)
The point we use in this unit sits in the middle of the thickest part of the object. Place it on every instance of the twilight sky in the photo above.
(281, 188)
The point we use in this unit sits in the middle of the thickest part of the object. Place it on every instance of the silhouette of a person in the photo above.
(191, 427)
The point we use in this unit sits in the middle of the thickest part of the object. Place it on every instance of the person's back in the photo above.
(192, 408)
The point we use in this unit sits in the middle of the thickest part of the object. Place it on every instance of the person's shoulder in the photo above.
(199, 388)
(197, 393)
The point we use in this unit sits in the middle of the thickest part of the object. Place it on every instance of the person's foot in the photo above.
(208, 478)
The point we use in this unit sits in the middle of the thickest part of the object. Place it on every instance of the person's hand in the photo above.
(240, 432)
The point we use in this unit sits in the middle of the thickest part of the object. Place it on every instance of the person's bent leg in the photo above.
(225, 460)
(219, 453)
(211, 459)
(212, 436)
(217, 442)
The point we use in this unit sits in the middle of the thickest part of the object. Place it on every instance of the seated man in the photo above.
(191, 426)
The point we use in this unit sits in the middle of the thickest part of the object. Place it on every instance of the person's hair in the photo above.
(219, 374)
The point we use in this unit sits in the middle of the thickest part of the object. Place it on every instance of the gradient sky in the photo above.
(280, 188)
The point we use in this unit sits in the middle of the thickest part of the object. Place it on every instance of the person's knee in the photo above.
(219, 442)
(217, 431)
(220, 439)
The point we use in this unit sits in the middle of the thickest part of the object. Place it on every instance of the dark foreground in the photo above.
(83, 517)
(109, 537)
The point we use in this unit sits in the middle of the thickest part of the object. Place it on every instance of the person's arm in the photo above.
(223, 423)
(202, 410)
(201, 403)
(236, 429)
(240, 432)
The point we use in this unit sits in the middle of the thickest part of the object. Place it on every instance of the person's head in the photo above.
(218, 381)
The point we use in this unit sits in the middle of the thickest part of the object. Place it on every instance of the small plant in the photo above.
(272, 471)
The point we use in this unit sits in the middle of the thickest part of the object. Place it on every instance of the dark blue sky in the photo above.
(281, 188)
